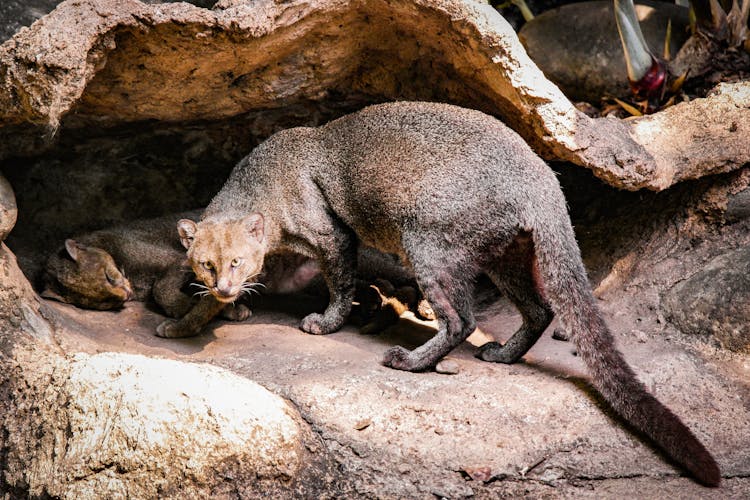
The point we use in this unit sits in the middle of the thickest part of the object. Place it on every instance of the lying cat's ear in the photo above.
(255, 225)
(49, 293)
(186, 228)
(72, 246)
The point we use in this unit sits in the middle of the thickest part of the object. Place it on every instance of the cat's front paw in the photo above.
(403, 359)
(316, 324)
(240, 312)
(171, 329)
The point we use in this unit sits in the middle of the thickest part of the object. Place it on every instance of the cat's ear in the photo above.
(255, 225)
(49, 293)
(186, 228)
(72, 247)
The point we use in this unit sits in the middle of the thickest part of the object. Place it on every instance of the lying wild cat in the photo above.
(88, 271)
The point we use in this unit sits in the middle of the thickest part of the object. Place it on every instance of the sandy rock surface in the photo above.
(534, 427)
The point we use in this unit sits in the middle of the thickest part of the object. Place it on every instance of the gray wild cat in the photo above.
(88, 271)
(455, 193)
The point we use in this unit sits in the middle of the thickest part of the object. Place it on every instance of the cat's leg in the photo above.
(169, 291)
(337, 257)
(451, 304)
(193, 322)
(236, 312)
(446, 286)
(514, 275)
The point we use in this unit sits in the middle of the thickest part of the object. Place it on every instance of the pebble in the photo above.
(448, 367)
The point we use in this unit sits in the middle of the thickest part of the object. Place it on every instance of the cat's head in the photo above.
(226, 255)
(87, 277)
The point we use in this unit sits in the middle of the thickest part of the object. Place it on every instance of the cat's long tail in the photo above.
(566, 288)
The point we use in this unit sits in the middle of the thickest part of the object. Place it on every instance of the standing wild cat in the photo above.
(454, 192)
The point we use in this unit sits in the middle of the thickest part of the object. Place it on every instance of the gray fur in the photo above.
(146, 252)
(455, 193)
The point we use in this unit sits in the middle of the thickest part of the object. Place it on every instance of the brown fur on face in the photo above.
(224, 255)
(86, 276)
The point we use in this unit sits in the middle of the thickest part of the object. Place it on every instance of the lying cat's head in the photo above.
(86, 277)
(226, 255)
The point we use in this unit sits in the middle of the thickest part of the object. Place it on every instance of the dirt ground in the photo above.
(534, 429)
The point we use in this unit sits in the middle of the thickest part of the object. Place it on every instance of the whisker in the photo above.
(249, 288)
(248, 284)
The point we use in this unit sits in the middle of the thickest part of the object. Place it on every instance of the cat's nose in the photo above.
(224, 288)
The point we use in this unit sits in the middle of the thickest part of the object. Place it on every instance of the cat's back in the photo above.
(148, 244)
(420, 145)
(398, 162)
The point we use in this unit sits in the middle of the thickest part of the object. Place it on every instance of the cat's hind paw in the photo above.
(400, 358)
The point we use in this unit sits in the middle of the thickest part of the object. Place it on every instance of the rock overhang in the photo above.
(101, 63)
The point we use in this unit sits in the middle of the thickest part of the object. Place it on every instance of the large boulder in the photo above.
(578, 47)
(715, 301)
(127, 426)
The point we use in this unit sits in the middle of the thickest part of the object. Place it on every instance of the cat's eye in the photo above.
(111, 279)
(207, 265)
(236, 262)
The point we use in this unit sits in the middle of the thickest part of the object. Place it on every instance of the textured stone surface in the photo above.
(128, 426)
(703, 137)
(715, 301)
(87, 425)
(8, 208)
(577, 46)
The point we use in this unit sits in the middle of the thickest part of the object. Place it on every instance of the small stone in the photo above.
(448, 367)
(363, 424)
(8, 209)
(482, 474)
(560, 334)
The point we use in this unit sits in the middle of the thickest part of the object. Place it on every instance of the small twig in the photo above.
(533, 466)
